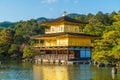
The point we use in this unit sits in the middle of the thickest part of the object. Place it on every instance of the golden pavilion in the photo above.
(63, 41)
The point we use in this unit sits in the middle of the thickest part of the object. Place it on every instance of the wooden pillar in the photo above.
(68, 54)
(39, 50)
(90, 53)
(62, 54)
(56, 53)
(39, 41)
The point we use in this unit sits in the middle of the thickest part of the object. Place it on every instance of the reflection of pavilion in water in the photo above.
(73, 72)
(50, 72)
(62, 72)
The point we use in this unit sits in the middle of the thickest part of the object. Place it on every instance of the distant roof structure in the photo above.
(65, 19)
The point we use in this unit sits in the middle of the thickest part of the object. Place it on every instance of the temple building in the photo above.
(63, 41)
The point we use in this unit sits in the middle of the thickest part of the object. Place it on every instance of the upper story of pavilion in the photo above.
(63, 24)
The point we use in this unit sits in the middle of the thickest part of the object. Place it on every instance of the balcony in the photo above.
(39, 45)
(47, 31)
(49, 45)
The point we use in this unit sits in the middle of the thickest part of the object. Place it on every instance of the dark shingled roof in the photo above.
(63, 33)
(64, 18)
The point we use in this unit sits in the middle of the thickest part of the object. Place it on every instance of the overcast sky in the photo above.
(16, 10)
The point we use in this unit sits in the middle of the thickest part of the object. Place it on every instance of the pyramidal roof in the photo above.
(64, 18)
(67, 18)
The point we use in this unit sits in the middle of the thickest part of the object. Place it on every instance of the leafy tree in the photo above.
(107, 49)
(18, 39)
(28, 51)
(103, 48)
(5, 42)
(14, 51)
(94, 27)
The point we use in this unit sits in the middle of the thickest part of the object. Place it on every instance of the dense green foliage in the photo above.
(15, 40)
(107, 49)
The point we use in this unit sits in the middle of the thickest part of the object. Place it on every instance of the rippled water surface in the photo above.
(28, 71)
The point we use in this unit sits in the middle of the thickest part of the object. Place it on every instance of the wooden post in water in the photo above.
(114, 70)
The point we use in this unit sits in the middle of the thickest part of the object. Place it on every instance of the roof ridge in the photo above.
(65, 18)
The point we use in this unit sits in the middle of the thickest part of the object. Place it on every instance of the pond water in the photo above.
(29, 71)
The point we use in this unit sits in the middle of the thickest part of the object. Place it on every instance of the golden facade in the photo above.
(63, 39)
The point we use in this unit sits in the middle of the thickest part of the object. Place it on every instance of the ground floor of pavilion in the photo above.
(63, 54)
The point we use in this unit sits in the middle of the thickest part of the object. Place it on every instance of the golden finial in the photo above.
(65, 13)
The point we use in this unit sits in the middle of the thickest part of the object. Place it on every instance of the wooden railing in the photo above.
(46, 45)
(52, 31)
(39, 45)
(53, 57)
(49, 31)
